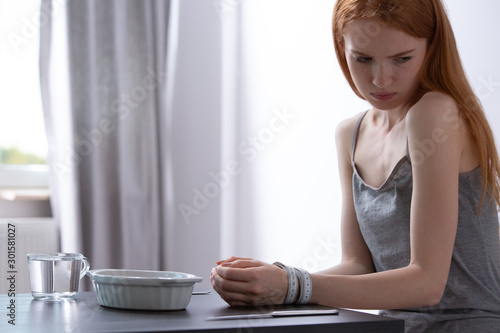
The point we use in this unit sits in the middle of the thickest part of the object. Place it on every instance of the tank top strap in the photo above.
(407, 150)
(355, 135)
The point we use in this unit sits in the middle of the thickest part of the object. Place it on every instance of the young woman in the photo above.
(420, 183)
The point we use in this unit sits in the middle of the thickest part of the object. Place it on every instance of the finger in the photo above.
(241, 269)
(242, 263)
(238, 293)
(230, 285)
(239, 298)
(231, 297)
(231, 259)
(236, 274)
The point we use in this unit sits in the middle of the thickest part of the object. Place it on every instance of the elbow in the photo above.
(435, 300)
(434, 293)
(435, 296)
(430, 285)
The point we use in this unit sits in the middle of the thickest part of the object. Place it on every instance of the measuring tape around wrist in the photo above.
(297, 278)
(293, 283)
(305, 285)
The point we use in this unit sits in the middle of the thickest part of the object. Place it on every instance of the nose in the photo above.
(382, 76)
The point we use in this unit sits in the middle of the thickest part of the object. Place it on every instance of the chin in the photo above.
(391, 105)
(384, 106)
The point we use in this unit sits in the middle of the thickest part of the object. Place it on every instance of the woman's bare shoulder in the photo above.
(345, 129)
(435, 108)
(344, 135)
(435, 132)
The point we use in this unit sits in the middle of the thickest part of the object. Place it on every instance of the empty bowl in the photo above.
(143, 290)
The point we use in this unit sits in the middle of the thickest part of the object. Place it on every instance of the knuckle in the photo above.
(227, 274)
(255, 300)
(253, 275)
(222, 284)
(256, 289)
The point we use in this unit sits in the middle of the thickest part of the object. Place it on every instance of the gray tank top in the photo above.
(471, 301)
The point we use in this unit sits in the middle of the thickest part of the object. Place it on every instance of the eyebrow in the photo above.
(393, 56)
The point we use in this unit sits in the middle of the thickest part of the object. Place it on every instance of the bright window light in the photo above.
(22, 132)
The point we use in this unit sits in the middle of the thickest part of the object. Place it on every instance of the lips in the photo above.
(383, 96)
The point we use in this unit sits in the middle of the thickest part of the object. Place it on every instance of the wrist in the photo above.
(299, 285)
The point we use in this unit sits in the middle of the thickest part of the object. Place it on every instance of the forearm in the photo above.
(349, 267)
(399, 288)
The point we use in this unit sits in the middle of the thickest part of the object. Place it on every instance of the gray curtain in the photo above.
(103, 78)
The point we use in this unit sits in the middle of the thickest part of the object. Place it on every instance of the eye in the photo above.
(402, 60)
(362, 60)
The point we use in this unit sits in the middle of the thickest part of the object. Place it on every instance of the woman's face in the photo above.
(384, 62)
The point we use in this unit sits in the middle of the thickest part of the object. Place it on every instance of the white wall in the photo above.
(194, 79)
(289, 64)
(477, 30)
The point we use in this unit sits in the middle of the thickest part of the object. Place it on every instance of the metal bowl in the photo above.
(143, 290)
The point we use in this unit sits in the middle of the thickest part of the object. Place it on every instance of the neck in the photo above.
(388, 119)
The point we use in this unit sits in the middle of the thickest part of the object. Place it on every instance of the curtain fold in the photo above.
(103, 79)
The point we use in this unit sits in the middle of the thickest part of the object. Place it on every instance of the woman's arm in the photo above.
(434, 212)
(244, 281)
(356, 257)
(438, 143)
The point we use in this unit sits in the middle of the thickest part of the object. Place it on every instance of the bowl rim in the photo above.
(100, 276)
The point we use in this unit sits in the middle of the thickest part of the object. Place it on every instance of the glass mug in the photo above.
(56, 276)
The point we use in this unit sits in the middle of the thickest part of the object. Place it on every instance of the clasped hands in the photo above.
(245, 281)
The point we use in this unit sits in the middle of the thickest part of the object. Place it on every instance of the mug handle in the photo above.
(85, 268)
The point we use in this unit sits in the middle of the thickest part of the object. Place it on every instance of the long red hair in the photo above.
(441, 71)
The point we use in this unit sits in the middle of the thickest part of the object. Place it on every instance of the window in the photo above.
(23, 145)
